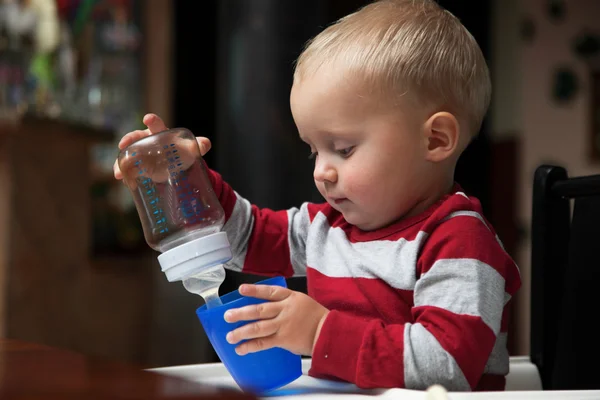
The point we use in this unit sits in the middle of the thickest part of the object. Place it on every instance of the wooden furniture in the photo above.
(34, 371)
(51, 292)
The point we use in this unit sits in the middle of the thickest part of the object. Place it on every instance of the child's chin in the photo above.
(361, 223)
(355, 220)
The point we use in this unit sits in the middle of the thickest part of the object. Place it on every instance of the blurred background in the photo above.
(75, 75)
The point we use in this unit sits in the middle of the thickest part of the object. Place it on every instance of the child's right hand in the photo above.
(155, 125)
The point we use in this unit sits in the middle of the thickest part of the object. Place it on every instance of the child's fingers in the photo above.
(259, 329)
(255, 345)
(204, 144)
(117, 170)
(265, 292)
(133, 137)
(154, 123)
(252, 313)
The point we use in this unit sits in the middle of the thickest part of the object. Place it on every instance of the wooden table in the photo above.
(34, 371)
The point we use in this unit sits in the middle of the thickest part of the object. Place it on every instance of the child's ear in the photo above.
(442, 134)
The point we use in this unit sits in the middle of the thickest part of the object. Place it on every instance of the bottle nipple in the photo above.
(206, 285)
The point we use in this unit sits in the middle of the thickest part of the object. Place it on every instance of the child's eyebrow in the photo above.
(344, 133)
(331, 135)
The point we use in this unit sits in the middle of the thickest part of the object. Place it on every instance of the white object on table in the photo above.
(215, 374)
(522, 384)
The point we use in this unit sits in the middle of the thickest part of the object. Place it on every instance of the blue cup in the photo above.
(257, 372)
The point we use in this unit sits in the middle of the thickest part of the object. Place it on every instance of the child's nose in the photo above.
(324, 172)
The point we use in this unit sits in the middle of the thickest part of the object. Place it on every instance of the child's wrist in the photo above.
(318, 331)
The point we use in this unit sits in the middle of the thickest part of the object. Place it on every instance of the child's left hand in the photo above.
(290, 320)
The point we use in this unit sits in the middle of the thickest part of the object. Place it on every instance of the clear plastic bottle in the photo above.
(180, 214)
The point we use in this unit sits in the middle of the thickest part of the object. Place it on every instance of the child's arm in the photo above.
(465, 280)
(263, 241)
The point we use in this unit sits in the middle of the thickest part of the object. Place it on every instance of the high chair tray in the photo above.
(309, 388)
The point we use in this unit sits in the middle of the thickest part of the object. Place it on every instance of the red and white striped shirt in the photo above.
(420, 302)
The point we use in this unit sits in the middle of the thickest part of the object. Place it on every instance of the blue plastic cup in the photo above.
(256, 372)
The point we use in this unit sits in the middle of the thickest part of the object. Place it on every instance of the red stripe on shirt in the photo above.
(462, 336)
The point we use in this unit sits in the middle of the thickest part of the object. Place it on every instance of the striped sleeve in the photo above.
(464, 280)
(263, 241)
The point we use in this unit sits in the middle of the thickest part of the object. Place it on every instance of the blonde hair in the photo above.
(409, 48)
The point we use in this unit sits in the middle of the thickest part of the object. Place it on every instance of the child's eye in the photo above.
(313, 155)
(345, 152)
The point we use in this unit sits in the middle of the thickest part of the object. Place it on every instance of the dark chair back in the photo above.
(565, 279)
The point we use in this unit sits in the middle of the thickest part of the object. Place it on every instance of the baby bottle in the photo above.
(180, 214)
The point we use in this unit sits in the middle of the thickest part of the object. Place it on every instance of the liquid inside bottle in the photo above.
(206, 284)
(182, 208)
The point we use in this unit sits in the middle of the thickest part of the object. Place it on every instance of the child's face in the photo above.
(369, 158)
